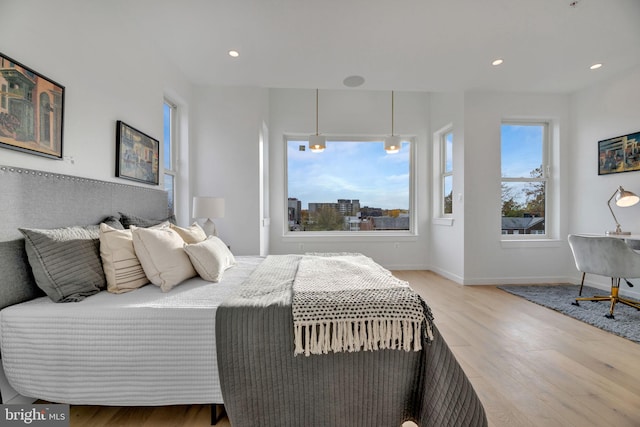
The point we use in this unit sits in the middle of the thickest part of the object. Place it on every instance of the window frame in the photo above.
(444, 173)
(437, 181)
(340, 235)
(173, 150)
(546, 179)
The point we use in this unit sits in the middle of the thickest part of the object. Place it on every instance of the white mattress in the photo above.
(139, 348)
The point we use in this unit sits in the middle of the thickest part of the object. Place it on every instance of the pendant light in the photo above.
(317, 142)
(392, 143)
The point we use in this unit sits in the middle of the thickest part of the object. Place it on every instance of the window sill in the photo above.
(447, 222)
(359, 236)
(531, 243)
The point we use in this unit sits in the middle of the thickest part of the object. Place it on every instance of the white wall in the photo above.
(107, 77)
(225, 159)
(345, 113)
(447, 237)
(604, 111)
(487, 259)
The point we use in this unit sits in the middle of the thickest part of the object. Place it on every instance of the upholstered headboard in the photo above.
(38, 199)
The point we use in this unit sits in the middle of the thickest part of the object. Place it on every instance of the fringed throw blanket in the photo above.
(350, 303)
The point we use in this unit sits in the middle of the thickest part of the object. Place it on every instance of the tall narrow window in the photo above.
(446, 151)
(354, 185)
(525, 181)
(169, 151)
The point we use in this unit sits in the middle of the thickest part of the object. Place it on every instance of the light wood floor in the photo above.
(531, 366)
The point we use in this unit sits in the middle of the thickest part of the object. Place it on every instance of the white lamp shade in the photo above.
(392, 144)
(317, 143)
(626, 198)
(208, 207)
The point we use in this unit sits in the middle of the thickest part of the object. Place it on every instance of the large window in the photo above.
(351, 186)
(525, 180)
(169, 153)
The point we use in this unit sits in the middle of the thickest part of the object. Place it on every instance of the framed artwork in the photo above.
(619, 154)
(137, 154)
(31, 110)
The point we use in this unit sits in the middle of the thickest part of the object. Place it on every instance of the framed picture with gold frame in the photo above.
(137, 154)
(31, 110)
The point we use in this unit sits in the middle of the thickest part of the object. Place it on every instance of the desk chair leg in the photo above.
(615, 288)
(612, 298)
(581, 284)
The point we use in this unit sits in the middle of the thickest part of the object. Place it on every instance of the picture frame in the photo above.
(137, 155)
(619, 154)
(31, 110)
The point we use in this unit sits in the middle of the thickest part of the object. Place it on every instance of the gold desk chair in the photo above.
(609, 257)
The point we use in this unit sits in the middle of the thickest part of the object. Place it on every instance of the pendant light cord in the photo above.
(391, 113)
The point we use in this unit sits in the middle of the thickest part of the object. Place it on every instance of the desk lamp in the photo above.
(624, 199)
(208, 207)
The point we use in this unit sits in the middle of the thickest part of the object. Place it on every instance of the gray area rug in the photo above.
(559, 297)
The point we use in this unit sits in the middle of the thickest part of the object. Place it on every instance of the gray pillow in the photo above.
(128, 220)
(113, 222)
(66, 261)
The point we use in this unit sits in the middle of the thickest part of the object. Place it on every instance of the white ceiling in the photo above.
(426, 45)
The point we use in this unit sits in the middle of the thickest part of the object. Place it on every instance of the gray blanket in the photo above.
(264, 384)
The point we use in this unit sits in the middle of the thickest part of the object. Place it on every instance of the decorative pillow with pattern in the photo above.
(65, 261)
(122, 269)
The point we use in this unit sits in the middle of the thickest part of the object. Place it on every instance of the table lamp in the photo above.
(208, 207)
(624, 199)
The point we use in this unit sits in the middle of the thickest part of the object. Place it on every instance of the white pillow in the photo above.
(162, 257)
(192, 234)
(121, 266)
(210, 258)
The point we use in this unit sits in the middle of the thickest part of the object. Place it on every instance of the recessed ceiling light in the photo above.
(234, 53)
(353, 81)
(595, 66)
(497, 62)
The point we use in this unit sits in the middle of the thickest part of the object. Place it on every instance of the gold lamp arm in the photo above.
(618, 228)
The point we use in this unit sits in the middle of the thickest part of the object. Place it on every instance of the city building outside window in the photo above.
(352, 186)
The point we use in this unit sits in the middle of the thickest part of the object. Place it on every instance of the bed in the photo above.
(227, 343)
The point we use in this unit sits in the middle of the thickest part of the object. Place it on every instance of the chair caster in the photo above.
(609, 316)
(576, 303)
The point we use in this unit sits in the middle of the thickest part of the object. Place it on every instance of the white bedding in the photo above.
(139, 348)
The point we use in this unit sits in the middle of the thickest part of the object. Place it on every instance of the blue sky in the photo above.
(349, 170)
(521, 149)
